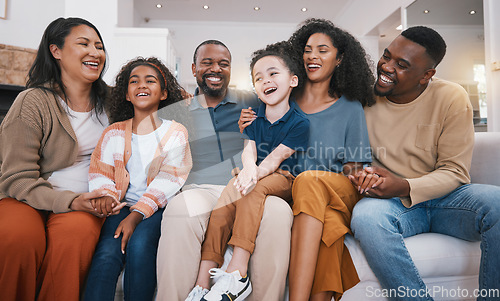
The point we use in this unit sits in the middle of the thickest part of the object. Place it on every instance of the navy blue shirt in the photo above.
(291, 130)
(215, 138)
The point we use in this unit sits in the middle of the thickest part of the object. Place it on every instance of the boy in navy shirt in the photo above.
(268, 169)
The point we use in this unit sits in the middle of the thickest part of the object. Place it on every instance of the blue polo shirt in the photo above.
(291, 130)
(215, 138)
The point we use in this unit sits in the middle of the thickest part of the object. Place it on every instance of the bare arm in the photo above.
(271, 163)
(248, 175)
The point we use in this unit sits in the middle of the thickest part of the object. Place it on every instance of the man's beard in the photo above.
(379, 93)
(209, 91)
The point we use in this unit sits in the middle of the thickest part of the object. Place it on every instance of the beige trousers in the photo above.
(183, 229)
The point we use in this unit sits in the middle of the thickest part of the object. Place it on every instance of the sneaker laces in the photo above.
(196, 292)
(222, 280)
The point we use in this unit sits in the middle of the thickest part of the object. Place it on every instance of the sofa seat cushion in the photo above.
(435, 255)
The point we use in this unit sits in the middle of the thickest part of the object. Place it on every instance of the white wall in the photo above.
(241, 39)
(132, 42)
(26, 21)
(361, 16)
(465, 47)
(492, 49)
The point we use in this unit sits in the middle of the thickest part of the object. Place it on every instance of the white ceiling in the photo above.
(445, 12)
(271, 11)
(442, 12)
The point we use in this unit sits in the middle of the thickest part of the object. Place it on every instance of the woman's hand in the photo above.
(378, 182)
(364, 180)
(107, 206)
(83, 202)
(246, 179)
(246, 118)
(127, 227)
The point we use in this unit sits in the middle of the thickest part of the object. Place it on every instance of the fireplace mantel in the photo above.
(7, 95)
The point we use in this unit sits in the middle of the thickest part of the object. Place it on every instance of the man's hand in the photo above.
(246, 179)
(380, 183)
(127, 227)
(107, 206)
(247, 116)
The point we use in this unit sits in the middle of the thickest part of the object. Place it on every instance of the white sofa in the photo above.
(449, 266)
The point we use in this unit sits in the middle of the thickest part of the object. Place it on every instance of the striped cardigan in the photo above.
(167, 173)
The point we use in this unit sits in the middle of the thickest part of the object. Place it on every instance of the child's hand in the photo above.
(127, 227)
(106, 205)
(246, 179)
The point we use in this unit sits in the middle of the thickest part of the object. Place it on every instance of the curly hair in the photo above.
(353, 77)
(120, 109)
(285, 52)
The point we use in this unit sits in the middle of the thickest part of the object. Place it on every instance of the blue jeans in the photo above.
(140, 256)
(471, 212)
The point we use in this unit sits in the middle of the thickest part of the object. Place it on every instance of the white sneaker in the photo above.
(228, 286)
(196, 293)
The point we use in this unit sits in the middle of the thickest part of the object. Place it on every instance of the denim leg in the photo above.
(140, 270)
(472, 212)
(380, 226)
(107, 262)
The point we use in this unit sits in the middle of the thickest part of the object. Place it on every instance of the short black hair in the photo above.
(209, 42)
(428, 38)
(282, 50)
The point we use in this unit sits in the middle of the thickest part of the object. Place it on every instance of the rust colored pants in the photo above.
(44, 256)
(329, 197)
(242, 215)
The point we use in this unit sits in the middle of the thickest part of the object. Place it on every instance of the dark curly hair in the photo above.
(45, 73)
(427, 37)
(284, 51)
(353, 77)
(120, 109)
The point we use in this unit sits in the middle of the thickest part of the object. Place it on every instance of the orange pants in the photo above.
(44, 256)
(330, 198)
(242, 215)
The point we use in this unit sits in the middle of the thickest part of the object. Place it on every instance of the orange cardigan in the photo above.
(167, 173)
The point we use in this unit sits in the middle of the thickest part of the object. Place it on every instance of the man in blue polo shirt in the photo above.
(216, 147)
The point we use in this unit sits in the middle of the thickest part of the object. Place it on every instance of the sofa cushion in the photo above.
(435, 255)
(485, 154)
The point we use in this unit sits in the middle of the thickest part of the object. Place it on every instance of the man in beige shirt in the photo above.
(422, 136)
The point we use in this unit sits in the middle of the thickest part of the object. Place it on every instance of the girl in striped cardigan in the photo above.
(141, 161)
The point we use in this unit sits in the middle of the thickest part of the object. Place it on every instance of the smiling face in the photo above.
(404, 70)
(82, 57)
(144, 89)
(272, 80)
(213, 69)
(320, 58)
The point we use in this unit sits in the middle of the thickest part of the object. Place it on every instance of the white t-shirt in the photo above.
(143, 151)
(88, 129)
